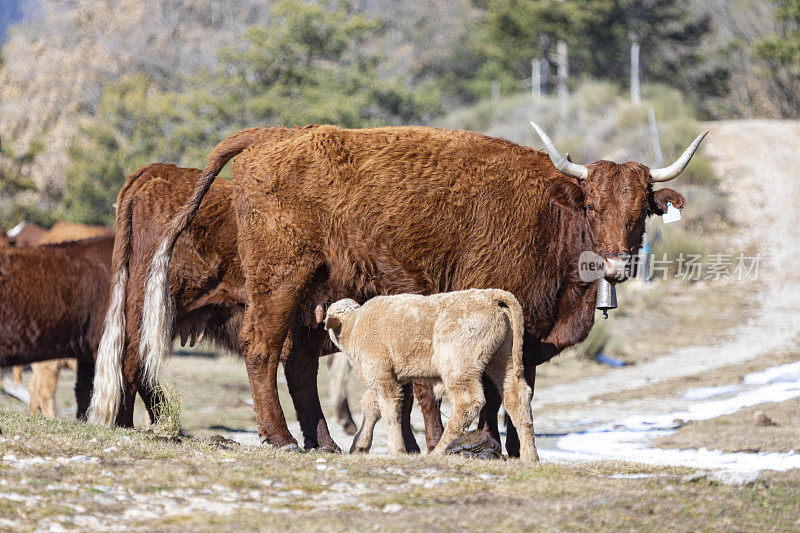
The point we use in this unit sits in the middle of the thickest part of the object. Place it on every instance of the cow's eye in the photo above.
(590, 208)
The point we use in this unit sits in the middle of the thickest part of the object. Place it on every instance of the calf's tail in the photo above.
(108, 374)
(156, 333)
(513, 310)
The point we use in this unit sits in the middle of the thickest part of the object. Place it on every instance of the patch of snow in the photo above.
(640, 475)
(702, 393)
(392, 508)
(629, 439)
(789, 372)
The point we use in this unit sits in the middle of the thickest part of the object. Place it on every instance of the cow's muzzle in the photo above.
(618, 268)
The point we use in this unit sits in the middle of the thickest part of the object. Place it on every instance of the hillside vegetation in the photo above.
(92, 89)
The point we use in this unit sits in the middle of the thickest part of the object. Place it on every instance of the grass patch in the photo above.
(168, 412)
(742, 432)
(146, 482)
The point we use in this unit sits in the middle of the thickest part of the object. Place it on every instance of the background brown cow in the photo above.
(26, 235)
(51, 305)
(44, 378)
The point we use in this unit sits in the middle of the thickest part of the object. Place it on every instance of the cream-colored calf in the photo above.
(453, 337)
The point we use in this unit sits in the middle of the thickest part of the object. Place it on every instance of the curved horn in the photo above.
(674, 170)
(562, 165)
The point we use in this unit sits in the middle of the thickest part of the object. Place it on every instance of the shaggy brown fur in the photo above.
(405, 210)
(451, 337)
(44, 378)
(52, 300)
(207, 288)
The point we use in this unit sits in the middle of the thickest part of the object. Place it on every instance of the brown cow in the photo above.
(207, 288)
(408, 209)
(44, 378)
(51, 305)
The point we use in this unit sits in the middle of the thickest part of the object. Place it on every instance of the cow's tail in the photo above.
(513, 310)
(156, 334)
(108, 367)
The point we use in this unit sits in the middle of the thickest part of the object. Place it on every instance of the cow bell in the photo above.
(606, 296)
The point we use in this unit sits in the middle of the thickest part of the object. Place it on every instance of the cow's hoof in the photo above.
(359, 449)
(475, 444)
(291, 447)
(330, 448)
(350, 427)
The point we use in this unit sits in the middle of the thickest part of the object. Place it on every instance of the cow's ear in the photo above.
(659, 199)
(566, 194)
(333, 322)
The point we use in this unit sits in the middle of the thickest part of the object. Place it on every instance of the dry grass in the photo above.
(739, 432)
(655, 319)
(92, 477)
(726, 375)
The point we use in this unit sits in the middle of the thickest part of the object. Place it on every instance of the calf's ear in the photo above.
(333, 322)
(566, 194)
(659, 199)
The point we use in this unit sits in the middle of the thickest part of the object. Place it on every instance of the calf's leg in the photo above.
(371, 413)
(391, 406)
(517, 396)
(468, 399)
(339, 371)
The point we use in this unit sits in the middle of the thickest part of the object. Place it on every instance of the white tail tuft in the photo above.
(108, 370)
(156, 316)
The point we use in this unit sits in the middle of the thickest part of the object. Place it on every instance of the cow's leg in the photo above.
(301, 369)
(339, 372)
(149, 397)
(273, 292)
(131, 370)
(84, 381)
(409, 442)
(371, 414)
(429, 405)
(468, 399)
(487, 422)
(390, 402)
